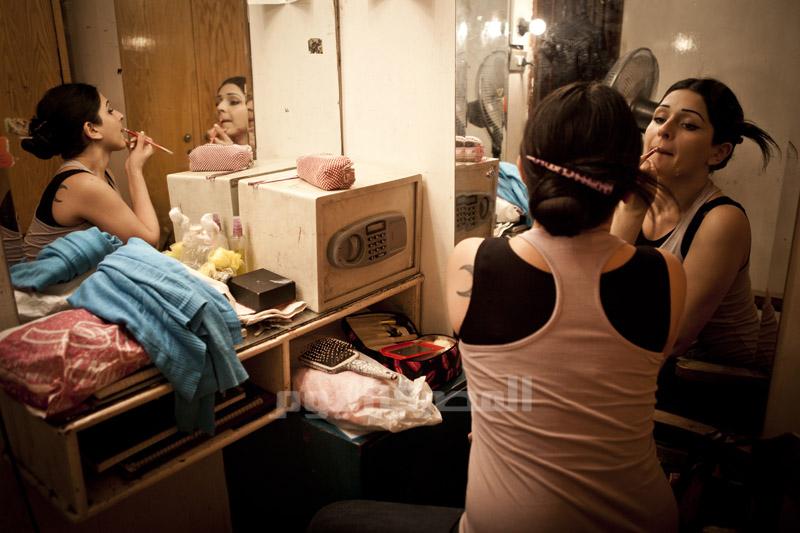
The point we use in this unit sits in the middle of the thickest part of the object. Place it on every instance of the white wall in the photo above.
(753, 48)
(296, 93)
(397, 102)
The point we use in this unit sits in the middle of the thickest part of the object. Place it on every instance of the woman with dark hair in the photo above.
(563, 331)
(77, 122)
(235, 121)
(695, 129)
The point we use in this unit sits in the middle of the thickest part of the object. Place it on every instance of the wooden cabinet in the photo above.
(34, 59)
(55, 458)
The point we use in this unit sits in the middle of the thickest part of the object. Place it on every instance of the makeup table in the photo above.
(57, 458)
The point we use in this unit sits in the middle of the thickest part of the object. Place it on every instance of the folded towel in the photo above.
(64, 259)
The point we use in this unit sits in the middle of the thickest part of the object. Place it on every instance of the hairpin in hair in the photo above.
(599, 186)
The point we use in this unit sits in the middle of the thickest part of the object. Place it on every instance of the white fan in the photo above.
(635, 76)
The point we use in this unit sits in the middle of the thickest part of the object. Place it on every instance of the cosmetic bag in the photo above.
(469, 149)
(369, 332)
(224, 157)
(326, 171)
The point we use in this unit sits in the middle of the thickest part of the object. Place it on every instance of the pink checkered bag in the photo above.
(326, 171)
(220, 157)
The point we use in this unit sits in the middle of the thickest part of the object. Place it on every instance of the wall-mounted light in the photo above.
(535, 26)
(683, 43)
(461, 33)
(538, 27)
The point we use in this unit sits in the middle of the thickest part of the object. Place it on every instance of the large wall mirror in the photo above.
(185, 72)
(548, 43)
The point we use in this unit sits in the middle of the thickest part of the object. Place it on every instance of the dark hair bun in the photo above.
(561, 215)
(39, 143)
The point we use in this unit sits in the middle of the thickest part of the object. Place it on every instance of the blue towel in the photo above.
(64, 259)
(511, 188)
(187, 328)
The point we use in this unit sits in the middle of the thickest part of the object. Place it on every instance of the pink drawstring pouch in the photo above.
(326, 171)
(225, 157)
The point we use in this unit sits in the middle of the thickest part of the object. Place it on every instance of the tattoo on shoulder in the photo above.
(62, 186)
(468, 292)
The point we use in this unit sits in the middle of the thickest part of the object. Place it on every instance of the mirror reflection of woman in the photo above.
(78, 123)
(695, 129)
(235, 120)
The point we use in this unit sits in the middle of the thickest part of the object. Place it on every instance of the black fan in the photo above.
(489, 110)
(635, 76)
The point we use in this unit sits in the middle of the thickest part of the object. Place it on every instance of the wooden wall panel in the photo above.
(30, 66)
(221, 51)
(158, 76)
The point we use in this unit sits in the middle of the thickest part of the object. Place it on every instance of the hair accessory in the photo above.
(599, 186)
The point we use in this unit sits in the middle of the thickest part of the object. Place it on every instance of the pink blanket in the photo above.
(58, 361)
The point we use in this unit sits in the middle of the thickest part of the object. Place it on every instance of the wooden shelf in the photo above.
(50, 455)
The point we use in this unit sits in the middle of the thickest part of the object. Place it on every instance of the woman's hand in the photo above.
(630, 213)
(217, 135)
(140, 152)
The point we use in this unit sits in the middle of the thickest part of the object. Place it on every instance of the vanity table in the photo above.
(56, 458)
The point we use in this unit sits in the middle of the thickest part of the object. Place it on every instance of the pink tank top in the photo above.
(562, 420)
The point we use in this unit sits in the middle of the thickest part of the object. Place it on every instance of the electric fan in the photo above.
(491, 83)
(635, 76)
(461, 94)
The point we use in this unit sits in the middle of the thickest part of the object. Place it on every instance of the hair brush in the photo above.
(333, 356)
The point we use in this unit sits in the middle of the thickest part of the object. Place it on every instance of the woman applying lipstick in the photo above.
(78, 123)
(235, 122)
(695, 129)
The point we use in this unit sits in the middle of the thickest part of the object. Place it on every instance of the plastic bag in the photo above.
(360, 404)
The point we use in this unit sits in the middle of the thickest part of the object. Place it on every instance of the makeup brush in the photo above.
(134, 134)
(333, 356)
(647, 155)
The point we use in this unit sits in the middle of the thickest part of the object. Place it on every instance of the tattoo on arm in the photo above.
(467, 293)
(62, 186)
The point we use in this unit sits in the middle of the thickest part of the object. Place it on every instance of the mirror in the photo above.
(175, 69)
(551, 43)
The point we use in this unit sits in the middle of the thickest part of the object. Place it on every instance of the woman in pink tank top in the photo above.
(77, 122)
(562, 411)
(695, 129)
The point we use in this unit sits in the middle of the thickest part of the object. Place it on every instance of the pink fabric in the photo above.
(210, 156)
(58, 361)
(326, 171)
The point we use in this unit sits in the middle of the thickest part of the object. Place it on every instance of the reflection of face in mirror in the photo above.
(235, 120)
(695, 129)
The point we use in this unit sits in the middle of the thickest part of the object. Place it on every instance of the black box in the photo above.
(262, 289)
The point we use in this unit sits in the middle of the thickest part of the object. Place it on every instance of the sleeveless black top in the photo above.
(512, 299)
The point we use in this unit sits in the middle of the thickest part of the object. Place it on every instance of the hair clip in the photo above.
(599, 186)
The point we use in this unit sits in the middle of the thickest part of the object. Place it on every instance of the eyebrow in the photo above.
(687, 110)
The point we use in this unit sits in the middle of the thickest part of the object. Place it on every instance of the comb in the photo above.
(333, 356)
